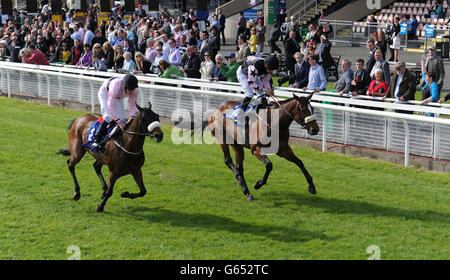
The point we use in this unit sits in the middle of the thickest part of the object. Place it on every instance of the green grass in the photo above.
(194, 209)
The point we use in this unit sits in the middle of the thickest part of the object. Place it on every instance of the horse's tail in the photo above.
(71, 124)
(66, 152)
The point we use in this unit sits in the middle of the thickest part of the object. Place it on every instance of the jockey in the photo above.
(111, 96)
(254, 75)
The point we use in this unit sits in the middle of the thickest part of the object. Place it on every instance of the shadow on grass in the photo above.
(218, 223)
(341, 206)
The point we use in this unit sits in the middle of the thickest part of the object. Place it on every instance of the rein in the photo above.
(150, 127)
(127, 152)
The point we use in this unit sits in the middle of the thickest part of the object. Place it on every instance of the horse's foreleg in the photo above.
(137, 175)
(239, 152)
(287, 153)
(112, 180)
(264, 159)
(98, 169)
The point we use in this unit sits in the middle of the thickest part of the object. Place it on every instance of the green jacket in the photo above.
(229, 71)
(171, 73)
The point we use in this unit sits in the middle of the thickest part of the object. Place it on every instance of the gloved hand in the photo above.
(121, 124)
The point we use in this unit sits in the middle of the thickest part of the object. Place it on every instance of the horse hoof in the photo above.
(125, 194)
(250, 197)
(99, 209)
(76, 196)
(312, 190)
(258, 185)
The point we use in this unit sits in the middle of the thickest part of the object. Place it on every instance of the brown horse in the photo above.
(279, 118)
(123, 153)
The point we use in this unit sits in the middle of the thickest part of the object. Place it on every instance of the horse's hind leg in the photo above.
(287, 153)
(98, 169)
(264, 159)
(76, 154)
(239, 152)
(228, 159)
(137, 175)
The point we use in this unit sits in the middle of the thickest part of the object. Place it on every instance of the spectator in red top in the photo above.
(34, 56)
(378, 87)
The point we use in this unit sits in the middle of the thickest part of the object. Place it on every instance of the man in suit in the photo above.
(381, 64)
(371, 61)
(281, 17)
(190, 64)
(244, 49)
(204, 45)
(241, 25)
(344, 84)
(291, 47)
(434, 64)
(222, 20)
(324, 50)
(402, 85)
(301, 72)
(361, 79)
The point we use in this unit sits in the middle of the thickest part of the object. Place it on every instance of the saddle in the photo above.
(112, 129)
(252, 109)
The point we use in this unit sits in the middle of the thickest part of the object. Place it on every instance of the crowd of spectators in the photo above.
(174, 47)
(158, 43)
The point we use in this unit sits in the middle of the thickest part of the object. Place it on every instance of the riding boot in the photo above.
(100, 134)
(240, 116)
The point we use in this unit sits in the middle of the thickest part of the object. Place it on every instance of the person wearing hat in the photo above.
(254, 75)
(434, 64)
(111, 96)
(229, 71)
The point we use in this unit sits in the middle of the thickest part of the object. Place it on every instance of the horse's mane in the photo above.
(282, 102)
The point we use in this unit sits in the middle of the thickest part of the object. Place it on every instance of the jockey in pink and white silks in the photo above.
(111, 96)
(254, 75)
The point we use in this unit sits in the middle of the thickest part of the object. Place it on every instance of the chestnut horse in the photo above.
(123, 152)
(295, 109)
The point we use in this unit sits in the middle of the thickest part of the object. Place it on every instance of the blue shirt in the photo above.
(317, 78)
(129, 66)
(434, 89)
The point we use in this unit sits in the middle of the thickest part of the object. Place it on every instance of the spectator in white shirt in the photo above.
(174, 53)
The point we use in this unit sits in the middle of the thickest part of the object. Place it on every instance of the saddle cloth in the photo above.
(251, 109)
(93, 131)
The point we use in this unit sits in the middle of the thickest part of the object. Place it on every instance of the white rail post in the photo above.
(405, 124)
(8, 81)
(92, 96)
(324, 130)
(39, 85)
(49, 97)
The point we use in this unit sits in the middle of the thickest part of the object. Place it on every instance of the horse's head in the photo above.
(304, 114)
(150, 123)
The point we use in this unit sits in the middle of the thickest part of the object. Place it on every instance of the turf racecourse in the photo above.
(194, 209)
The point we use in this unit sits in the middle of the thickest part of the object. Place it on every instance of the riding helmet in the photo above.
(271, 62)
(130, 82)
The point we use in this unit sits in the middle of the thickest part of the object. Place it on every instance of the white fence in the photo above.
(341, 120)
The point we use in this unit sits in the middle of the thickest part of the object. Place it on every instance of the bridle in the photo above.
(303, 122)
(150, 128)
